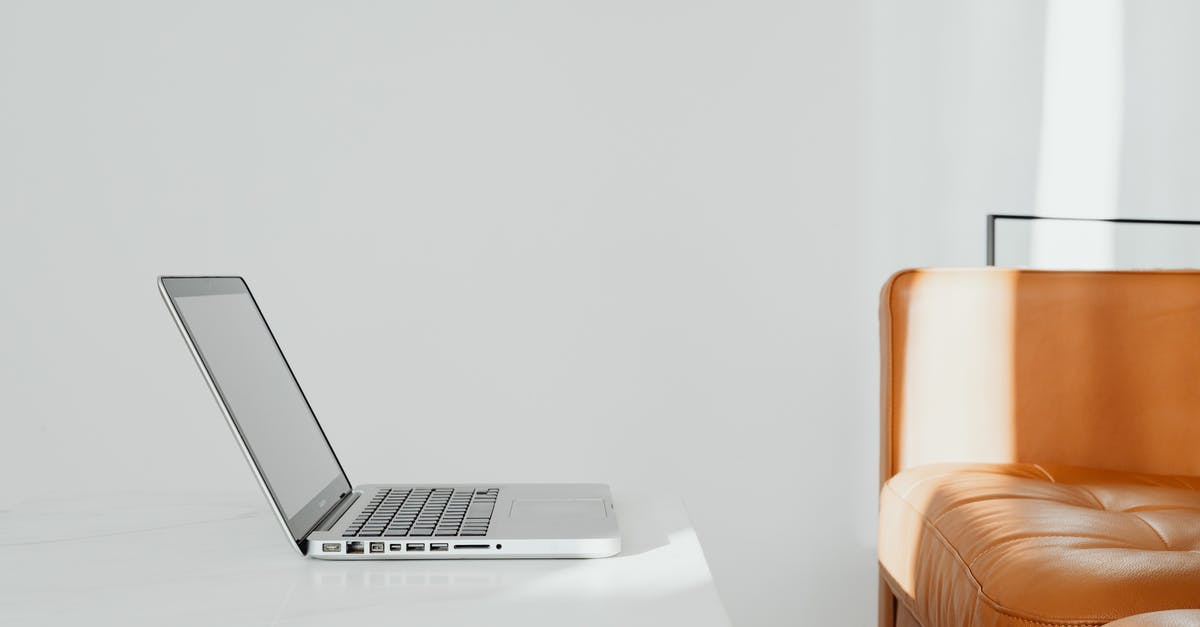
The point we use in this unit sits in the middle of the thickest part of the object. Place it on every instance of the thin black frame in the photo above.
(992, 217)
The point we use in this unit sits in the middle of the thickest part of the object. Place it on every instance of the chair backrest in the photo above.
(1096, 369)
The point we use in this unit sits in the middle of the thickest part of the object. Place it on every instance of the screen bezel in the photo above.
(304, 521)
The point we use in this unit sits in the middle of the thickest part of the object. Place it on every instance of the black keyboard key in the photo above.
(481, 506)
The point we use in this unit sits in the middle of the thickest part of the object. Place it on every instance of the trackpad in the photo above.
(557, 509)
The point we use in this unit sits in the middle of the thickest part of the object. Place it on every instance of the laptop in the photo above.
(322, 513)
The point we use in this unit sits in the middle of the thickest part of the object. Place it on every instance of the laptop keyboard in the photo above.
(425, 512)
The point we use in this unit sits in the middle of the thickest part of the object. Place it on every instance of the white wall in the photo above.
(609, 241)
(953, 103)
(1161, 138)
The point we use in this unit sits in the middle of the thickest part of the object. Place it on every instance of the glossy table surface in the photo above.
(176, 559)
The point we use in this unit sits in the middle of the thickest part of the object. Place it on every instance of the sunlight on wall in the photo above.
(1080, 149)
(1073, 245)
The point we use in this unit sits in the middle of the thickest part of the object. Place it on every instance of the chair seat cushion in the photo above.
(1026, 545)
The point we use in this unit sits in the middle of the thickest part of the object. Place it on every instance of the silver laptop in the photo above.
(323, 514)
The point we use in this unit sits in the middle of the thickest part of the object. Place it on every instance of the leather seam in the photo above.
(1009, 541)
(1156, 533)
(946, 545)
(1012, 497)
(1099, 503)
(980, 594)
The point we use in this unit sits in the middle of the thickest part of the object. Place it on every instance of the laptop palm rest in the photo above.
(558, 509)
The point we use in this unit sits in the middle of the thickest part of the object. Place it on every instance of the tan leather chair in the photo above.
(1040, 447)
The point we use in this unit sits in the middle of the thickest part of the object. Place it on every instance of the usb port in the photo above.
(332, 547)
(416, 546)
(395, 547)
(354, 548)
(439, 546)
(377, 547)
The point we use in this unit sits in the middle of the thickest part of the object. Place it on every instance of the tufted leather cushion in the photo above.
(1169, 618)
(1023, 545)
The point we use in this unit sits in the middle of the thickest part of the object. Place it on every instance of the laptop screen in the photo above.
(257, 387)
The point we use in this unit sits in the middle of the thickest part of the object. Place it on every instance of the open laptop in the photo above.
(323, 514)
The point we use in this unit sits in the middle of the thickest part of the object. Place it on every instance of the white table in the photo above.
(128, 559)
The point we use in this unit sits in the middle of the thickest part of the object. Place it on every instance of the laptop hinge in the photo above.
(326, 522)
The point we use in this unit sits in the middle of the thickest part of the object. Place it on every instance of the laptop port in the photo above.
(354, 548)
(377, 547)
(472, 546)
(416, 546)
(331, 547)
(439, 546)
(395, 548)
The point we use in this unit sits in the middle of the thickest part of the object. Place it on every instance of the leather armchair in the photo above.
(1040, 447)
